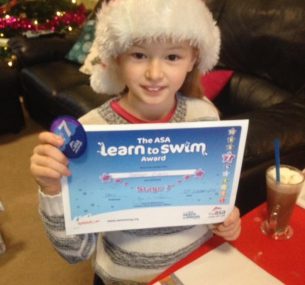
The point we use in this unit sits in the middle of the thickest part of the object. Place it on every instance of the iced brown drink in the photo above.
(281, 200)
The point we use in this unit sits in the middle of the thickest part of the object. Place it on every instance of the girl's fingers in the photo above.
(228, 235)
(230, 229)
(233, 217)
(50, 138)
(50, 151)
(48, 163)
(41, 173)
(47, 160)
(46, 166)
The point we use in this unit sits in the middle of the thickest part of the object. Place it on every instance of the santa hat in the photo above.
(122, 22)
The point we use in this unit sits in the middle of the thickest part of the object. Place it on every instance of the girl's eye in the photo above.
(138, 55)
(173, 57)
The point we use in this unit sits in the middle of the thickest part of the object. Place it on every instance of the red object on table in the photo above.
(284, 259)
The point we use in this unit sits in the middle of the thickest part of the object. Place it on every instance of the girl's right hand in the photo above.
(48, 163)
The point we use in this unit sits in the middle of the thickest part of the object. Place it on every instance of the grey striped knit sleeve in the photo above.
(73, 248)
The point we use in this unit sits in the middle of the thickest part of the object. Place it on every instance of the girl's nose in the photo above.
(154, 70)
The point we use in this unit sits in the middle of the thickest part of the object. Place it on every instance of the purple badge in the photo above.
(73, 134)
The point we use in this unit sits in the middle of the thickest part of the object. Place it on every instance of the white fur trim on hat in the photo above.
(121, 22)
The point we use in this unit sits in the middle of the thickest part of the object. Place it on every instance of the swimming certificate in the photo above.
(154, 175)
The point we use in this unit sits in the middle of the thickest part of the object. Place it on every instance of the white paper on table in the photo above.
(223, 265)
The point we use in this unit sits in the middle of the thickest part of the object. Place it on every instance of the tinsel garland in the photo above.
(37, 16)
(58, 22)
(10, 24)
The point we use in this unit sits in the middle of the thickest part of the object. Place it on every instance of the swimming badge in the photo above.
(73, 134)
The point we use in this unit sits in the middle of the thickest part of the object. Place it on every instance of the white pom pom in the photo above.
(106, 80)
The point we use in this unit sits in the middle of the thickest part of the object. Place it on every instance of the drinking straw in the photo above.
(277, 159)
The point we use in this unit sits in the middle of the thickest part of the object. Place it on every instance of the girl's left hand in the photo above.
(230, 229)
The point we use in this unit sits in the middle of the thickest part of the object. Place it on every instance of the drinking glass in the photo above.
(281, 199)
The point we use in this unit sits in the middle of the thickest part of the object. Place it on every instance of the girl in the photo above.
(151, 53)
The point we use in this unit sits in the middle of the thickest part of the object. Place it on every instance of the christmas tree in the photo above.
(37, 17)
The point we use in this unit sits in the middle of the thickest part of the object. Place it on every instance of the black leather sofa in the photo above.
(52, 85)
(11, 113)
(263, 42)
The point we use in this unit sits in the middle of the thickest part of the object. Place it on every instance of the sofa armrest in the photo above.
(30, 51)
(246, 93)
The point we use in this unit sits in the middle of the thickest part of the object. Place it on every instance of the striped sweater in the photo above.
(131, 257)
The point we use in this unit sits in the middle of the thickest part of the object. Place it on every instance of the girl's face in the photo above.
(153, 73)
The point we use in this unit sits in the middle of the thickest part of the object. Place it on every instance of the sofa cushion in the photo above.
(214, 81)
(81, 48)
(80, 99)
(50, 78)
(92, 57)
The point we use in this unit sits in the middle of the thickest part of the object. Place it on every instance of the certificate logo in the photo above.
(190, 215)
(217, 212)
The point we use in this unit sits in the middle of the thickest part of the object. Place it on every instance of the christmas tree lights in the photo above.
(37, 17)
